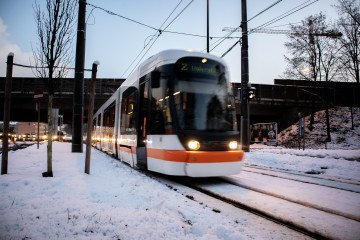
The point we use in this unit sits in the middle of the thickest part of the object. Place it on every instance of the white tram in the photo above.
(174, 115)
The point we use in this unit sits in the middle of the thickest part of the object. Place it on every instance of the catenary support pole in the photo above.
(207, 28)
(90, 116)
(78, 99)
(245, 141)
(7, 105)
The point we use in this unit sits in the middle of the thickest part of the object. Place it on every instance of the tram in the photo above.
(174, 115)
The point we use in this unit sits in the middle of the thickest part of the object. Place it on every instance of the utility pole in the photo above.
(7, 105)
(207, 28)
(245, 140)
(78, 99)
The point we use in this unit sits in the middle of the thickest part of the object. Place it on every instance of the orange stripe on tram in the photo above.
(195, 156)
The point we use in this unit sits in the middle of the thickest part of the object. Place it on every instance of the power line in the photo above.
(288, 13)
(282, 16)
(164, 30)
(228, 35)
(195, 35)
(272, 5)
(238, 41)
(118, 15)
(154, 39)
(148, 26)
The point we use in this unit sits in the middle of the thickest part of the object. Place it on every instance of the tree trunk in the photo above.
(328, 138)
(50, 134)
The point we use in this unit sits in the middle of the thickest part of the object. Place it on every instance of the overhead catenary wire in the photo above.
(272, 5)
(282, 16)
(160, 32)
(146, 25)
(153, 37)
(229, 34)
(286, 14)
(118, 15)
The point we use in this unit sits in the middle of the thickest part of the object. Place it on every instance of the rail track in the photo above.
(310, 177)
(317, 220)
(308, 218)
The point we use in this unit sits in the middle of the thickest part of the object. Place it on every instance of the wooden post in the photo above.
(7, 105)
(90, 116)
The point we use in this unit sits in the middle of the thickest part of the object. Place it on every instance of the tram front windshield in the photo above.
(201, 95)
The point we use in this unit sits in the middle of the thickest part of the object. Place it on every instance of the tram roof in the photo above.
(171, 56)
(163, 58)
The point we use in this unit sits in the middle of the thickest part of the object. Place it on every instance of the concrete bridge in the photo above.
(279, 103)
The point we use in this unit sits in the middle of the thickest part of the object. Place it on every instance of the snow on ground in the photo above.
(344, 130)
(117, 202)
(337, 159)
(113, 202)
(336, 164)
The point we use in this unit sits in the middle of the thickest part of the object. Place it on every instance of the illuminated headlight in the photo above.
(233, 145)
(193, 145)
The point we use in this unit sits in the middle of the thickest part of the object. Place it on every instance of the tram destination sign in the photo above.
(200, 66)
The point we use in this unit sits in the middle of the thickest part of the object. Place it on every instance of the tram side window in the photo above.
(93, 133)
(160, 109)
(109, 122)
(127, 122)
(98, 127)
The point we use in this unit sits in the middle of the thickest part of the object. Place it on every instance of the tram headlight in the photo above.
(193, 145)
(233, 145)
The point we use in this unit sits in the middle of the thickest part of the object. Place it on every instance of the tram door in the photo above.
(142, 122)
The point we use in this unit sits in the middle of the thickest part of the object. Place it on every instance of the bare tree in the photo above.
(53, 53)
(329, 55)
(349, 25)
(304, 61)
(315, 53)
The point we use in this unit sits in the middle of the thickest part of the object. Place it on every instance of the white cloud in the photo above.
(20, 57)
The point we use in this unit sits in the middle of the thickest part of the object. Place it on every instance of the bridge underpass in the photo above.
(279, 103)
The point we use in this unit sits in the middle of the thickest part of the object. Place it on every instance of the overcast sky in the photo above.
(116, 42)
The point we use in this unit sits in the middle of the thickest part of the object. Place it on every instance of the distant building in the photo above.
(30, 127)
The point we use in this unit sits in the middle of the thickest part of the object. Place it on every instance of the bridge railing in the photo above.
(104, 86)
(339, 94)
